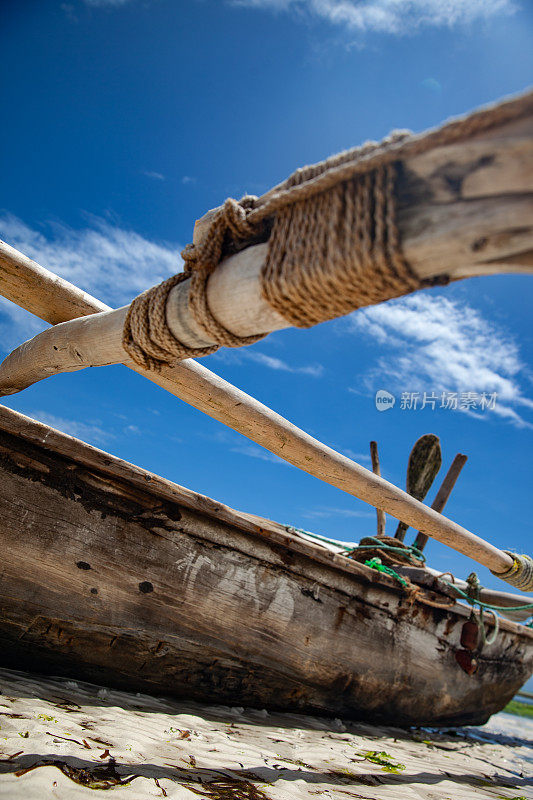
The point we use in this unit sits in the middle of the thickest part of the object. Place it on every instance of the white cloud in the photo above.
(241, 354)
(111, 262)
(327, 512)
(187, 179)
(81, 430)
(16, 325)
(432, 84)
(434, 343)
(106, 3)
(389, 16)
(258, 452)
(355, 456)
(157, 176)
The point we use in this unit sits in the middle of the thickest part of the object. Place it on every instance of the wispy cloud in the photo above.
(432, 84)
(434, 343)
(107, 3)
(156, 176)
(235, 443)
(252, 451)
(188, 179)
(16, 325)
(355, 456)
(388, 16)
(112, 262)
(328, 512)
(243, 354)
(81, 430)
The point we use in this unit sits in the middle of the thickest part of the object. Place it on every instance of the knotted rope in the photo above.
(146, 335)
(334, 244)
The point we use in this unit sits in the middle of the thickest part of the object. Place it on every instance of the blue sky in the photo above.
(128, 119)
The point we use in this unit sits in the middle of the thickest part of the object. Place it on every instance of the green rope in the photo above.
(292, 529)
(349, 548)
(375, 563)
(482, 604)
(472, 596)
(412, 549)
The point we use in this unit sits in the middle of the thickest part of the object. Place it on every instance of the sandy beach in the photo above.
(58, 738)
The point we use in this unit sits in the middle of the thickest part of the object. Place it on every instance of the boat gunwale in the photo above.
(45, 437)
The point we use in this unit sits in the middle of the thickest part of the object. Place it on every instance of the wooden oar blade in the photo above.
(424, 463)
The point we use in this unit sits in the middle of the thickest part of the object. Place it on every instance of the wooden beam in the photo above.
(464, 210)
(219, 399)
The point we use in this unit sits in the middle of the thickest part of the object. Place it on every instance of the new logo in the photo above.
(384, 400)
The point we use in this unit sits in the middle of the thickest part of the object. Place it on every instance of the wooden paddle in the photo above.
(424, 463)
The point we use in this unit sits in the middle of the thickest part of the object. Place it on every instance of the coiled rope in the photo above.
(520, 574)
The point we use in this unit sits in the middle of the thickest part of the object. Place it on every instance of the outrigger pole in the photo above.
(462, 206)
(53, 299)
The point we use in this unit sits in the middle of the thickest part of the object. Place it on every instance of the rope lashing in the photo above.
(333, 246)
(520, 574)
(147, 337)
(336, 251)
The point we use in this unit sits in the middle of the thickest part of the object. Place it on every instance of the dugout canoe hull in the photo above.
(114, 575)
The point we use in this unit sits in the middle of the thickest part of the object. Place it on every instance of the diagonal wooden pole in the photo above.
(444, 492)
(35, 288)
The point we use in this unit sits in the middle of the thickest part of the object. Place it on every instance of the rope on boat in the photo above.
(374, 543)
(401, 553)
(482, 604)
(520, 575)
(367, 543)
(375, 563)
(319, 538)
(377, 546)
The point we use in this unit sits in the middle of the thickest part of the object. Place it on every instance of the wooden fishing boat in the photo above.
(115, 575)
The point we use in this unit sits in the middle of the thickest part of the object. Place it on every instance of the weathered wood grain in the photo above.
(115, 576)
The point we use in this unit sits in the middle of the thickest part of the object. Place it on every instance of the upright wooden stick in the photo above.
(376, 469)
(444, 492)
(222, 401)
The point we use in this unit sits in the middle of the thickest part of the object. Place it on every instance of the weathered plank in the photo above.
(111, 575)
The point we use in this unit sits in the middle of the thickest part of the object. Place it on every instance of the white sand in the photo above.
(186, 750)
